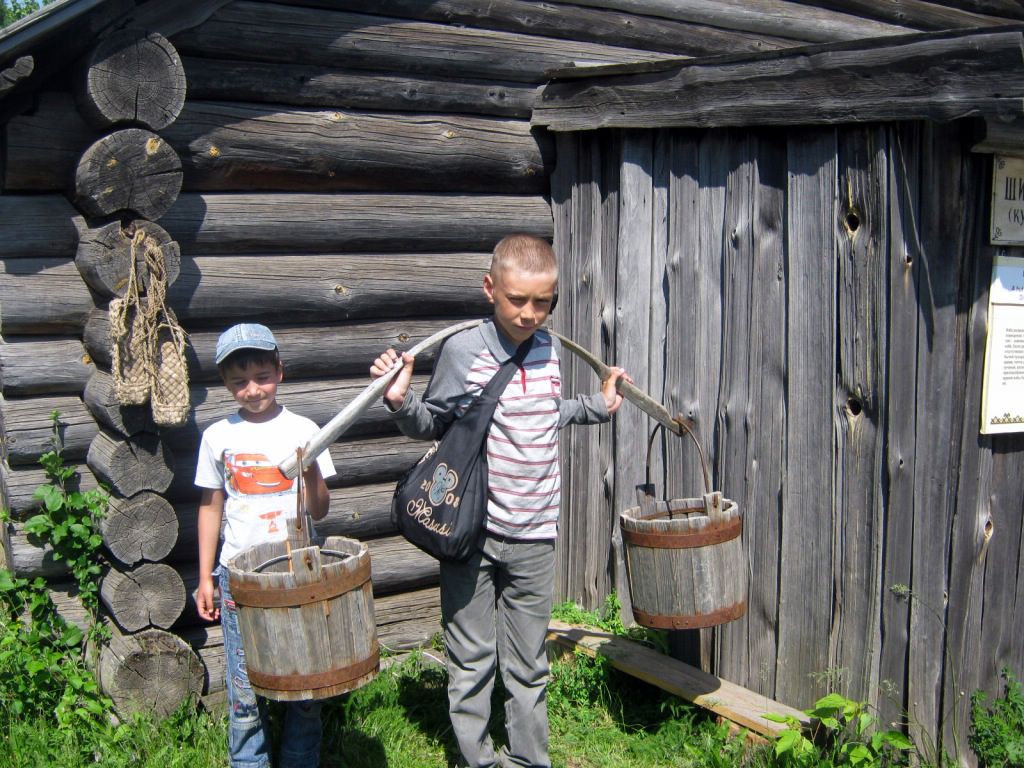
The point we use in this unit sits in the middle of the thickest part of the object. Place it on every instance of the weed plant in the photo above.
(997, 729)
(44, 682)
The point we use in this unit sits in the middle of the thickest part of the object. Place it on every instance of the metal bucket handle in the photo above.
(700, 452)
(281, 558)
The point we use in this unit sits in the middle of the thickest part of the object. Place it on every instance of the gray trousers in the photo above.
(496, 609)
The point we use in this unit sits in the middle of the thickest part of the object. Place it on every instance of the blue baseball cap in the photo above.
(244, 336)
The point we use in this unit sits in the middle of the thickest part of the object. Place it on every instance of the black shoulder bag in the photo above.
(440, 504)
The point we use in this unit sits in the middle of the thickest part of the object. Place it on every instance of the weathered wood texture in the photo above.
(916, 13)
(350, 223)
(44, 226)
(237, 147)
(129, 170)
(130, 465)
(152, 671)
(21, 69)
(104, 256)
(48, 296)
(567, 22)
(43, 296)
(44, 366)
(586, 200)
(134, 78)
(791, 20)
(1000, 137)
(29, 432)
(99, 397)
(825, 297)
(944, 76)
(317, 86)
(271, 32)
(151, 594)
(143, 527)
(317, 645)
(227, 146)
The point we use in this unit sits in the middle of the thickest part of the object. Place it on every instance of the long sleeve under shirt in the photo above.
(522, 443)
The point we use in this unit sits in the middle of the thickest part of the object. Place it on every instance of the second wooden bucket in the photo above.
(686, 567)
(684, 557)
(306, 618)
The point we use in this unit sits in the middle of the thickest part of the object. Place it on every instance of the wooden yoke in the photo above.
(337, 426)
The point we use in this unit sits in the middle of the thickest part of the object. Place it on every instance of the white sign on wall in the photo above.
(1002, 399)
(1007, 227)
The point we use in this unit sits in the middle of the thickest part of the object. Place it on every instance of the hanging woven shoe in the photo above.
(169, 402)
(130, 366)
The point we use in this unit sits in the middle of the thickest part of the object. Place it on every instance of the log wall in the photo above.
(340, 169)
(829, 348)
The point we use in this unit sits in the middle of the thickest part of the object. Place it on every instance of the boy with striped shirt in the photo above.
(496, 606)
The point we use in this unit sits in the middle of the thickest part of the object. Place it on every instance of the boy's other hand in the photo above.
(394, 395)
(609, 389)
(206, 600)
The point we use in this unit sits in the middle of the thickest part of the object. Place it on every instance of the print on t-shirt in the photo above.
(253, 474)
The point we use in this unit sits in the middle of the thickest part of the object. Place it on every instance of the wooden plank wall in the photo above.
(817, 306)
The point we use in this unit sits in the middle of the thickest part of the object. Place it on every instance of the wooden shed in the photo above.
(774, 214)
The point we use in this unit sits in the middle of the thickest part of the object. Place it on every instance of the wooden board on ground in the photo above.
(733, 702)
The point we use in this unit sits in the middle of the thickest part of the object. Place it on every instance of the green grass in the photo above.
(599, 719)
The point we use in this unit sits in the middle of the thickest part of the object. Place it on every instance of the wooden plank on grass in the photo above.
(733, 702)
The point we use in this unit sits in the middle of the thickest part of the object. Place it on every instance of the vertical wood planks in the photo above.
(733, 433)
(762, 489)
(805, 589)
(632, 341)
(938, 375)
(965, 669)
(840, 359)
(901, 413)
(861, 227)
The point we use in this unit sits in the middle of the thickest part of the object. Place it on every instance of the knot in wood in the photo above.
(214, 152)
(450, 134)
(341, 289)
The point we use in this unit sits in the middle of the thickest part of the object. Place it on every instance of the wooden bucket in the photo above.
(684, 559)
(306, 618)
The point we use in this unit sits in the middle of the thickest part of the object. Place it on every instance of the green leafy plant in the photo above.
(997, 730)
(843, 734)
(609, 619)
(68, 521)
(41, 666)
(42, 671)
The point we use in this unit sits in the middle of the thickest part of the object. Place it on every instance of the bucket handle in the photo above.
(281, 558)
(683, 428)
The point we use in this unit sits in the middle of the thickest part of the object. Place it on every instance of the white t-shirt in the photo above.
(242, 458)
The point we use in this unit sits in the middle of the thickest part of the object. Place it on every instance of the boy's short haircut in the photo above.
(526, 253)
(246, 344)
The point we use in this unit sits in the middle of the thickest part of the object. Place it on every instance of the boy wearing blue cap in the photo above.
(238, 473)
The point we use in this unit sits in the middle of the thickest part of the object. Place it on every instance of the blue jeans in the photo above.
(248, 728)
(496, 609)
